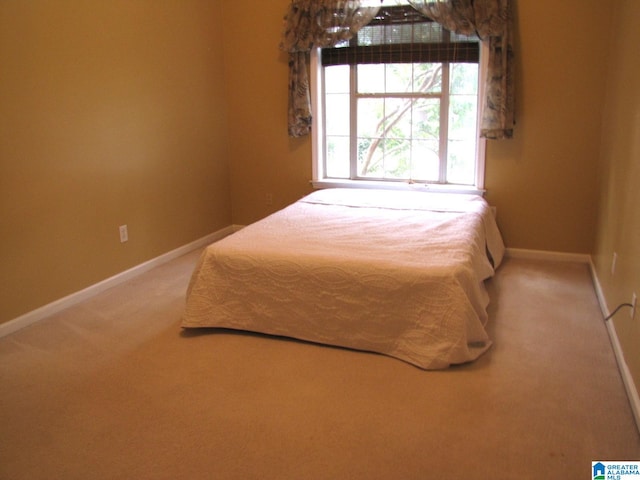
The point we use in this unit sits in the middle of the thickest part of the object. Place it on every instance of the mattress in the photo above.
(399, 273)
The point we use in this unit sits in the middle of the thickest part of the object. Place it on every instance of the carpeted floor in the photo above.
(112, 389)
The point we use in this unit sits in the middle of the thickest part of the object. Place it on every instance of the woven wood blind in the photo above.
(400, 34)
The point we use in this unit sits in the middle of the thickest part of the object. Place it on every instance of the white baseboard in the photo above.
(627, 379)
(86, 293)
(544, 255)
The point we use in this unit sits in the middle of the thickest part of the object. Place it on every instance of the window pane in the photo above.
(370, 78)
(337, 116)
(427, 77)
(370, 117)
(370, 157)
(336, 79)
(397, 158)
(397, 117)
(337, 157)
(425, 160)
(426, 119)
(399, 77)
(461, 149)
(430, 32)
(461, 162)
(462, 117)
(464, 78)
(399, 33)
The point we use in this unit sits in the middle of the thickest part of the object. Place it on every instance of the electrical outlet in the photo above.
(269, 199)
(633, 305)
(124, 233)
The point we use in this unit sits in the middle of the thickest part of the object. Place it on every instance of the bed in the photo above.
(399, 273)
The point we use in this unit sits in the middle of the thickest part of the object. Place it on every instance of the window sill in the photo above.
(422, 187)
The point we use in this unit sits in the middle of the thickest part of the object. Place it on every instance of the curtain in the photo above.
(490, 20)
(310, 24)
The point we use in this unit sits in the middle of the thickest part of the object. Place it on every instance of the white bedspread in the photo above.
(394, 272)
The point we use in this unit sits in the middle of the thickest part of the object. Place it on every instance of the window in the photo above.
(399, 103)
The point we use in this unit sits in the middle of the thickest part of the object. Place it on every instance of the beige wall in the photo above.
(544, 182)
(111, 112)
(619, 220)
(264, 160)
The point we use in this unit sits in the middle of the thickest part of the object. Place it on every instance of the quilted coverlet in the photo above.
(399, 273)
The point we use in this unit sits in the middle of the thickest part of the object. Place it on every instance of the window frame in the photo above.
(318, 139)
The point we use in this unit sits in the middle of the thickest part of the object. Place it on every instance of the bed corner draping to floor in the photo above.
(399, 273)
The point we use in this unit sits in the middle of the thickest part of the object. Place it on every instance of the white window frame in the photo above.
(318, 139)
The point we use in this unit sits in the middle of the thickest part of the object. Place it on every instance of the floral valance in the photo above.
(324, 23)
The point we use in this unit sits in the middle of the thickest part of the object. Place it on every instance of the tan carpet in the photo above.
(112, 389)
